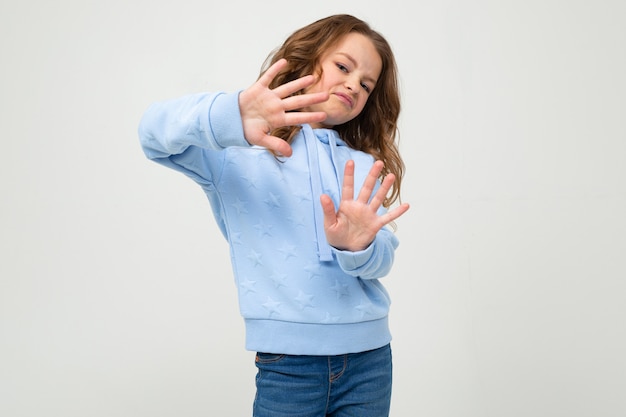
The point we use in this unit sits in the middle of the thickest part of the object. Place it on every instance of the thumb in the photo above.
(278, 145)
(328, 207)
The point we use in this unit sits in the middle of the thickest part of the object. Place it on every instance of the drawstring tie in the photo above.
(315, 178)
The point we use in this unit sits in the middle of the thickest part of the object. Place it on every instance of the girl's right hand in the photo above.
(263, 109)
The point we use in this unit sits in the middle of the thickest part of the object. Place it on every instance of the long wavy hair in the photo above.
(375, 129)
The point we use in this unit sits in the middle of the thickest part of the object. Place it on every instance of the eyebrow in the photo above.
(349, 57)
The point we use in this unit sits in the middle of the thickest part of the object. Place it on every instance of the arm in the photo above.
(177, 133)
(205, 120)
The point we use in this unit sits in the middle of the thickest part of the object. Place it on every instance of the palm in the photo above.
(263, 109)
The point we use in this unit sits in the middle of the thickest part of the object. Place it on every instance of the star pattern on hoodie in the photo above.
(247, 286)
(301, 196)
(279, 279)
(288, 250)
(297, 220)
(272, 306)
(264, 228)
(313, 270)
(304, 300)
(240, 206)
(255, 257)
(341, 290)
(272, 200)
(364, 308)
(251, 181)
(329, 318)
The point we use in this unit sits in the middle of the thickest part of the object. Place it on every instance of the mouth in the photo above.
(346, 99)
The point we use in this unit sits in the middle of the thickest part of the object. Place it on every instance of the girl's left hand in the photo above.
(353, 226)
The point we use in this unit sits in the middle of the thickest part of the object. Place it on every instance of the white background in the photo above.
(116, 295)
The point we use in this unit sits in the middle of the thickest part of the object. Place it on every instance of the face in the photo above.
(350, 71)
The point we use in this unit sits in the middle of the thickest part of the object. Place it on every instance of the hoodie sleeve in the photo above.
(180, 133)
(373, 262)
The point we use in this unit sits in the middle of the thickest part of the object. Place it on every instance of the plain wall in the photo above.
(509, 289)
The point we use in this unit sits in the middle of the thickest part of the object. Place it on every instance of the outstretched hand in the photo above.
(263, 109)
(353, 226)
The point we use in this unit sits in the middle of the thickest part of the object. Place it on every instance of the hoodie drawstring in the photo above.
(315, 178)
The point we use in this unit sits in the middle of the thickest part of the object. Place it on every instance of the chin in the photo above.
(335, 121)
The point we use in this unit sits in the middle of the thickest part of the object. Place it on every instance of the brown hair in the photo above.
(374, 130)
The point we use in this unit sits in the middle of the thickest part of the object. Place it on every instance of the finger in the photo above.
(291, 87)
(347, 190)
(297, 118)
(328, 208)
(392, 215)
(304, 100)
(370, 182)
(276, 144)
(382, 191)
(266, 78)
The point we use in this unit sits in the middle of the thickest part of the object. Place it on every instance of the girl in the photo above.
(279, 162)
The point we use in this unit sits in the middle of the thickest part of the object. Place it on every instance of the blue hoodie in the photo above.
(297, 294)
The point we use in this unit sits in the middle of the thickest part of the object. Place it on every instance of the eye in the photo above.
(345, 69)
(342, 67)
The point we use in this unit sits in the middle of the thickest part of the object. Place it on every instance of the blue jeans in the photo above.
(356, 384)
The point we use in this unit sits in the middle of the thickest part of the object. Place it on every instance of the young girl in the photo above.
(300, 170)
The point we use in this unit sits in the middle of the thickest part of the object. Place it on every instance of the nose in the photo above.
(351, 83)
